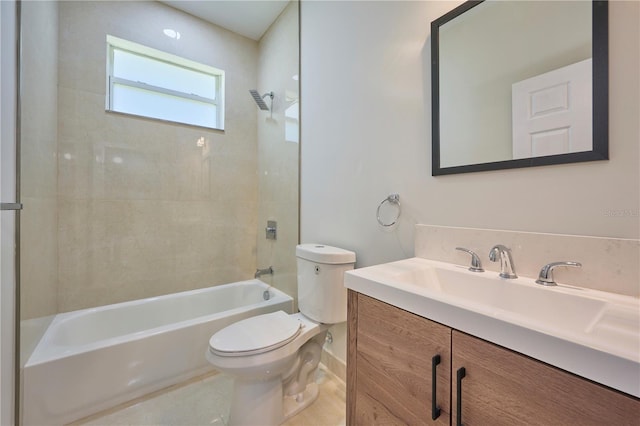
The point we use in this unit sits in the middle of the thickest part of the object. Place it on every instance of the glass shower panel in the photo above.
(118, 207)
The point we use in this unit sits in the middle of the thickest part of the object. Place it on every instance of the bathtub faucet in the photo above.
(266, 295)
(260, 272)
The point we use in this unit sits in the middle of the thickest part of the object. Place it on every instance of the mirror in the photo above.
(517, 84)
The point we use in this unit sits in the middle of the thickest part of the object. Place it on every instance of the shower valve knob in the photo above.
(271, 230)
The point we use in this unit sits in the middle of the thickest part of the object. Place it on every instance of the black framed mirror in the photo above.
(519, 84)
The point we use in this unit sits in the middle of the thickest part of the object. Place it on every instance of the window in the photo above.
(147, 82)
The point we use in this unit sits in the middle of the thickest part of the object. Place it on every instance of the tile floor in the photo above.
(205, 401)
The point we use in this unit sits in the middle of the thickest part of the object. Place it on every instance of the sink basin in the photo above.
(519, 299)
(570, 327)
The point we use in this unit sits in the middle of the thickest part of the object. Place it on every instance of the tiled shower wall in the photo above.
(142, 210)
(38, 140)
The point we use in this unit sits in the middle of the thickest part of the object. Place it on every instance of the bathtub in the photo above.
(93, 359)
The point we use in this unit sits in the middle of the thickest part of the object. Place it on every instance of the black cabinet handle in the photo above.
(459, 376)
(435, 411)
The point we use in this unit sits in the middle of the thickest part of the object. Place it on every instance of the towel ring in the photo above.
(391, 199)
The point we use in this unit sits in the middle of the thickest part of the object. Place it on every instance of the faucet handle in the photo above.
(546, 273)
(476, 265)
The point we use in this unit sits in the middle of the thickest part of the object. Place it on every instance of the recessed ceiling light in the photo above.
(171, 33)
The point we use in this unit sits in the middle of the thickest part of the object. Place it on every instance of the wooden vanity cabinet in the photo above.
(502, 387)
(390, 367)
(389, 378)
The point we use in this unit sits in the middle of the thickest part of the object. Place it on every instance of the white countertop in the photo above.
(605, 350)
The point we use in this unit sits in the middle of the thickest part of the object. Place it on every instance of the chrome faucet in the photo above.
(265, 271)
(546, 273)
(476, 265)
(507, 267)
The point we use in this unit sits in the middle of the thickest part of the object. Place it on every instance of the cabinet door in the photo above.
(390, 366)
(501, 387)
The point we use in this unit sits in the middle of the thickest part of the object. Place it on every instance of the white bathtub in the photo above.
(93, 359)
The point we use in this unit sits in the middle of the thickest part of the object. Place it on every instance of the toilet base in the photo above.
(265, 403)
(268, 407)
(295, 403)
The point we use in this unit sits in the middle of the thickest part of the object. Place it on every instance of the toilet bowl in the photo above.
(273, 358)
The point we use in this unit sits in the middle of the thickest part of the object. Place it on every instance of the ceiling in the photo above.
(250, 18)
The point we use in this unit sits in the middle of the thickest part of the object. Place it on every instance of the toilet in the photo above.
(273, 358)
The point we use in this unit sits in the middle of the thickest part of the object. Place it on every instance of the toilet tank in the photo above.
(321, 292)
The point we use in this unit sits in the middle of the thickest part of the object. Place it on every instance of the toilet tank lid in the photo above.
(325, 254)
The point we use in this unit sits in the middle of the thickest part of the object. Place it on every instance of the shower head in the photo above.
(260, 99)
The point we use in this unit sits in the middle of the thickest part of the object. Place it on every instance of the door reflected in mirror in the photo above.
(517, 84)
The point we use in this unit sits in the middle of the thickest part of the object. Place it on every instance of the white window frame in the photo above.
(115, 43)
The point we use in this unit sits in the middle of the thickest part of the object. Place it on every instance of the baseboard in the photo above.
(334, 365)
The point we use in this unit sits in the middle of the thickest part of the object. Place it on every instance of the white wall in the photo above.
(366, 126)
(366, 133)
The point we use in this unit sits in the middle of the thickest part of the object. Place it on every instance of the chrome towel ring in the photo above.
(391, 199)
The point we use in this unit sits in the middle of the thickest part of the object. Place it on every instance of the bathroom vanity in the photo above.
(429, 357)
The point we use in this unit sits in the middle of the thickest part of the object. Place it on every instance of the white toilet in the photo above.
(273, 357)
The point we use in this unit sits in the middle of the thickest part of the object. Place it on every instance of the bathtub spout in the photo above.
(260, 272)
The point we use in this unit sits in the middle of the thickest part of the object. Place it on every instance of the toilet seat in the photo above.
(255, 335)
